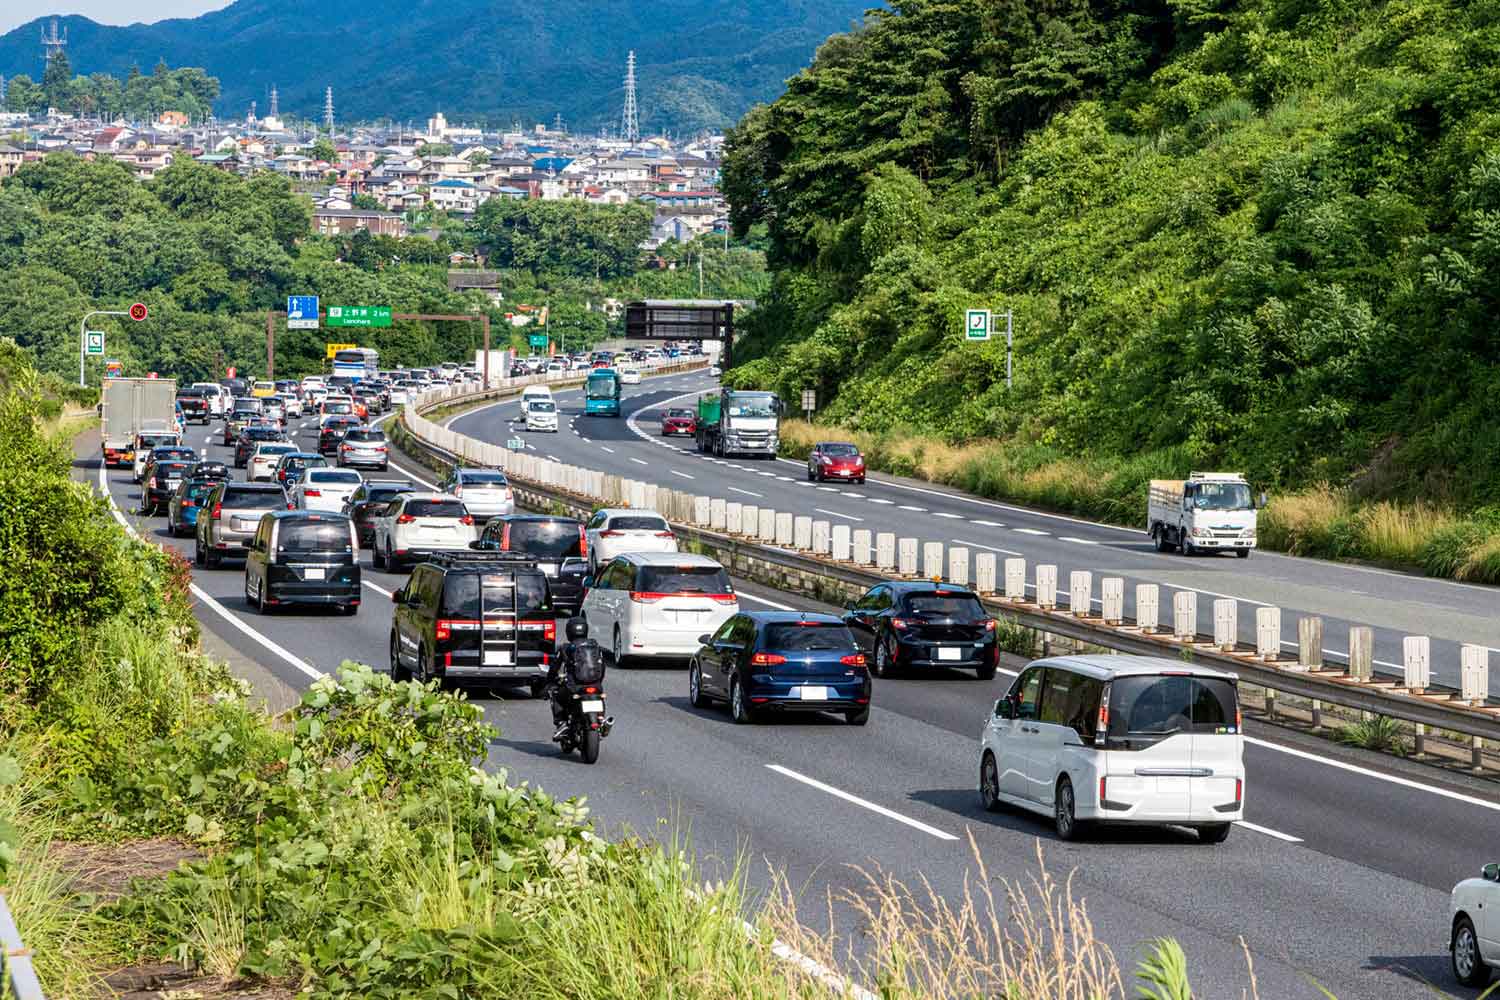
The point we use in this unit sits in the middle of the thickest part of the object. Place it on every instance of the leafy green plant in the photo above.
(1380, 733)
(1162, 974)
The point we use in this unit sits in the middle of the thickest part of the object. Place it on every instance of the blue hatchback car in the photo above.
(781, 661)
(186, 502)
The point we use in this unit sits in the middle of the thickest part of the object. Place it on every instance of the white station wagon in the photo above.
(1118, 739)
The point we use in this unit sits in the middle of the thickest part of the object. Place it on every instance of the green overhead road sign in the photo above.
(977, 324)
(358, 316)
(94, 343)
(538, 341)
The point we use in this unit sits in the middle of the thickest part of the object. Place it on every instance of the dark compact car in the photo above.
(187, 503)
(195, 405)
(922, 624)
(474, 616)
(210, 470)
(558, 544)
(370, 396)
(160, 481)
(331, 435)
(678, 421)
(291, 466)
(781, 661)
(370, 499)
(835, 460)
(303, 557)
(244, 445)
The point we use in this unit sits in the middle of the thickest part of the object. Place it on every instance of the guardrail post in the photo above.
(734, 518)
(802, 533)
(642, 497)
(1474, 673)
(821, 538)
(1361, 652)
(932, 560)
(785, 529)
(906, 557)
(702, 511)
(1310, 642)
(1226, 623)
(842, 547)
(1185, 615)
(716, 514)
(1112, 599)
(648, 495)
(766, 529)
(749, 520)
(1080, 592)
(864, 550)
(885, 551)
(1416, 652)
(1268, 633)
(984, 572)
(1046, 586)
(958, 566)
(1147, 607)
(1015, 579)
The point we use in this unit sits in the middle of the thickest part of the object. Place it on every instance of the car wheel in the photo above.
(1469, 967)
(198, 554)
(348, 610)
(986, 670)
(1159, 539)
(989, 783)
(617, 650)
(425, 673)
(695, 686)
(885, 659)
(857, 716)
(1217, 833)
(1064, 811)
(211, 558)
(739, 708)
(1187, 547)
(392, 564)
(377, 555)
(383, 468)
(538, 688)
(260, 599)
(812, 477)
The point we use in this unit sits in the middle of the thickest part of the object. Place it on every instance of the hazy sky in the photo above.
(14, 12)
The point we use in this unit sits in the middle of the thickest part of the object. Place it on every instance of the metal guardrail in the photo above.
(17, 975)
(1435, 708)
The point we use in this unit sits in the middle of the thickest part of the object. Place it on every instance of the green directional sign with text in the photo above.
(358, 316)
(538, 341)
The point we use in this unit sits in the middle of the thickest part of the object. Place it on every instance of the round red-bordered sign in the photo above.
(138, 311)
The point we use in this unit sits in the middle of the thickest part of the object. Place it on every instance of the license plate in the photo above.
(814, 693)
(547, 567)
(498, 658)
(949, 653)
(314, 573)
(591, 706)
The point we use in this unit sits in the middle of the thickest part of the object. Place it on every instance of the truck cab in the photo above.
(739, 423)
(1207, 512)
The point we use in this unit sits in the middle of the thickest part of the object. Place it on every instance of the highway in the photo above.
(1340, 877)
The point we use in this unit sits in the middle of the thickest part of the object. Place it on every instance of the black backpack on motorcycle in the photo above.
(586, 665)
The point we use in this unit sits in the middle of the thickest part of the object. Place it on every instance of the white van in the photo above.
(535, 392)
(1118, 739)
(541, 415)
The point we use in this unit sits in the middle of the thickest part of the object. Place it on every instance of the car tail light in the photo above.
(549, 630)
(853, 660)
(583, 542)
(664, 534)
(312, 493)
(590, 690)
(466, 519)
(380, 447)
(1239, 724)
(1101, 724)
(152, 483)
(1239, 791)
(611, 534)
(290, 505)
(989, 624)
(443, 630)
(1102, 780)
(643, 597)
(767, 659)
(188, 503)
(724, 598)
(505, 539)
(899, 623)
(458, 491)
(215, 512)
(405, 519)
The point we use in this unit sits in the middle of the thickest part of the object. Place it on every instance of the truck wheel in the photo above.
(1159, 539)
(1242, 553)
(1187, 547)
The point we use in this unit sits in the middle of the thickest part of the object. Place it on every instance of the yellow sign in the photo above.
(335, 348)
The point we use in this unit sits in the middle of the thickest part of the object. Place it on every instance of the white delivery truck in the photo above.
(1207, 512)
(128, 406)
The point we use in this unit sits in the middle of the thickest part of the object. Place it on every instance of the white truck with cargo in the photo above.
(1207, 512)
(131, 406)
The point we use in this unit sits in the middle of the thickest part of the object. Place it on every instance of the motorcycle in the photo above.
(579, 699)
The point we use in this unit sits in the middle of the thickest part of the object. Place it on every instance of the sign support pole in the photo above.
(83, 334)
(1008, 317)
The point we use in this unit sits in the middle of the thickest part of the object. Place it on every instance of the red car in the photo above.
(678, 421)
(835, 460)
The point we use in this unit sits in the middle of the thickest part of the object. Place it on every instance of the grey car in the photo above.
(365, 446)
(230, 515)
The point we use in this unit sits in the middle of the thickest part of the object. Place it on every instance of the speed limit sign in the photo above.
(138, 311)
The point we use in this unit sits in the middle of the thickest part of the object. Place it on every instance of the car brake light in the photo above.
(663, 534)
(989, 624)
(643, 597)
(1239, 790)
(900, 623)
(405, 519)
(188, 503)
(290, 505)
(767, 659)
(215, 513)
(152, 483)
(583, 542)
(724, 598)
(466, 519)
(610, 534)
(458, 491)
(443, 630)
(853, 660)
(1239, 724)
(312, 493)
(505, 539)
(590, 690)
(549, 630)
(1102, 780)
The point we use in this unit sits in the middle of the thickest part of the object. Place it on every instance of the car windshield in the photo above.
(435, 508)
(1159, 705)
(1222, 496)
(630, 522)
(554, 539)
(839, 450)
(314, 536)
(542, 406)
(808, 636)
(959, 607)
(602, 386)
(468, 595)
(679, 413)
(249, 498)
(684, 580)
(334, 476)
(760, 404)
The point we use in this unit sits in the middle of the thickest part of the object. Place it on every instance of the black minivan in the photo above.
(303, 557)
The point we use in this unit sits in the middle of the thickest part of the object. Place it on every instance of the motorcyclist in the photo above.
(577, 631)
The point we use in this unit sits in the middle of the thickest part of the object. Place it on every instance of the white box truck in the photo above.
(129, 406)
(1207, 512)
(499, 365)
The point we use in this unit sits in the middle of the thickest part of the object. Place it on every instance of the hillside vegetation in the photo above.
(1260, 234)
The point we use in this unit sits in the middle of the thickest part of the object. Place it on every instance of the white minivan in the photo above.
(657, 604)
(1118, 739)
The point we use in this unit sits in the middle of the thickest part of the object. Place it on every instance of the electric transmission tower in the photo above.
(275, 112)
(328, 110)
(630, 123)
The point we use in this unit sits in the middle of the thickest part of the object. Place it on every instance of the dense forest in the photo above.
(139, 97)
(1262, 234)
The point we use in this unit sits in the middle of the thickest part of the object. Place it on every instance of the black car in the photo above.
(195, 405)
(370, 397)
(303, 557)
(923, 624)
(331, 435)
(474, 616)
(557, 544)
(210, 470)
(370, 499)
(160, 481)
(781, 661)
(244, 445)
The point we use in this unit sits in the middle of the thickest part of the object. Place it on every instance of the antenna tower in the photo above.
(630, 125)
(275, 112)
(328, 109)
(252, 112)
(557, 123)
(52, 42)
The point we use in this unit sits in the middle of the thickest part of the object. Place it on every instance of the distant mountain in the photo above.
(700, 63)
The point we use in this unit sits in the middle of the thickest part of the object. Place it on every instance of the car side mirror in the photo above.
(398, 596)
(705, 639)
(1491, 872)
(476, 544)
(1005, 708)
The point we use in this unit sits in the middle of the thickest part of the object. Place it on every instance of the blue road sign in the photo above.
(301, 312)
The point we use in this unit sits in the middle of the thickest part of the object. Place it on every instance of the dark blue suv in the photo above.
(781, 661)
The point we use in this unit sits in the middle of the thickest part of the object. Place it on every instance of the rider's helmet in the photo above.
(578, 630)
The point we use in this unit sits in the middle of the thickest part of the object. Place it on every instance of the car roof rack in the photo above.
(480, 558)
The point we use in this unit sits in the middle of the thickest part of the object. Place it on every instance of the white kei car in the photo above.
(614, 531)
(657, 604)
(325, 489)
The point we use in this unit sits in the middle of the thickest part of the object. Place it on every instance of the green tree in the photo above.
(323, 149)
(57, 80)
(24, 95)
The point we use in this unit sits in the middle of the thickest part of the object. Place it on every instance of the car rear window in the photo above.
(172, 470)
(683, 580)
(1155, 706)
(808, 636)
(306, 462)
(483, 479)
(261, 433)
(276, 449)
(557, 539)
(435, 508)
(157, 440)
(629, 522)
(313, 536)
(333, 476)
(168, 454)
(470, 595)
(959, 607)
(195, 490)
(364, 435)
(249, 498)
(388, 493)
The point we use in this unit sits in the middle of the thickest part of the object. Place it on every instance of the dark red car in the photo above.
(835, 460)
(678, 421)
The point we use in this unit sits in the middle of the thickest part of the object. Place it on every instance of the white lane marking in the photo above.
(955, 517)
(862, 803)
(604, 447)
(639, 461)
(829, 489)
(850, 517)
(981, 545)
(857, 496)
(736, 489)
(918, 510)
(1268, 831)
(1030, 531)
(1377, 775)
(766, 601)
(784, 479)
(375, 587)
(684, 475)
(552, 458)
(987, 524)
(1076, 541)
(880, 500)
